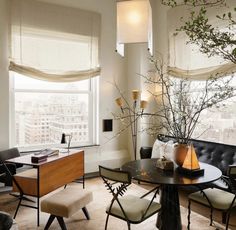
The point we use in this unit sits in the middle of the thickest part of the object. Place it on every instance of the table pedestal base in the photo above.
(169, 217)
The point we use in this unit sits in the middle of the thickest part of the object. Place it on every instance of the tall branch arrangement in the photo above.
(180, 104)
(211, 40)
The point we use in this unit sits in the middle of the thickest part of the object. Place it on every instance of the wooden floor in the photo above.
(26, 218)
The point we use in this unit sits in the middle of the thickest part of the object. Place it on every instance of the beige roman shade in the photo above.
(54, 43)
(185, 59)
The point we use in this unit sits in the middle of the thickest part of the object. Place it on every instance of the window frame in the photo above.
(200, 133)
(93, 99)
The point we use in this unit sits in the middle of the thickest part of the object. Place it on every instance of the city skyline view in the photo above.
(41, 118)
(44, 110)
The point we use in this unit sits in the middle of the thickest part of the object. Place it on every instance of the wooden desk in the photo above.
(51, 174)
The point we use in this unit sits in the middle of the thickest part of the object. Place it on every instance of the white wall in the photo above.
(114, 68)
(114, 152)
(138, 63)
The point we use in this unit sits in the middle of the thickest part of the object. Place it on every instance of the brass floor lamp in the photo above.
(132, 114)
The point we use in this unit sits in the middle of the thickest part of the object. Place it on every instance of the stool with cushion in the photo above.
(66, 203)
(216, 198)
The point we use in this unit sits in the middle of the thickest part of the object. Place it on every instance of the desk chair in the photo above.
(129, 208)
(30, 173)
(5, 175)
(5, 155)
(215, 198)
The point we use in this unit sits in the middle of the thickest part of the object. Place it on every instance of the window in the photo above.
(218, 123)
(186, 61)
(54, 59)
(44, 110)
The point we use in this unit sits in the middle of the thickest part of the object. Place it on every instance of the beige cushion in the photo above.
(134, 208)
(30, 173)
(66, 202)
(219, 199)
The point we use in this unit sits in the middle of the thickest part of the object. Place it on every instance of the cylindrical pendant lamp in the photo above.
(132, 21)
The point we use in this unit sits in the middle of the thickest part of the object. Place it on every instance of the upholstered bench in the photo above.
(65, 203)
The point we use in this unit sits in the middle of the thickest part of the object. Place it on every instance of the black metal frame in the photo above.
(226, 213)
(81, 181)
(21, 196)
(12, 168)
(118, 188)
(61, 220)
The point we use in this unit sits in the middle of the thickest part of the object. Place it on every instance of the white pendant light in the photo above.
(134, 22)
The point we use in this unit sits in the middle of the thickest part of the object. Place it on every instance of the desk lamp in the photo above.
(63, 140)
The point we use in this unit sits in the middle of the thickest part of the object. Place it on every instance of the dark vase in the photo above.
(145, 152)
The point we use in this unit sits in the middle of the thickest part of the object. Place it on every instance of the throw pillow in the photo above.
(161, 149)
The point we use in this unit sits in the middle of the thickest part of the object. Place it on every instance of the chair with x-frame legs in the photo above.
(129, 208)
(215, 198)
(29, 173)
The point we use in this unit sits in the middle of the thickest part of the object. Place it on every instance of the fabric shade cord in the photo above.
(203, 73)
(66, 77)
(185, 58)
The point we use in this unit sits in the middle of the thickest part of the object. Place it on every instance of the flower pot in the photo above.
(180, 152)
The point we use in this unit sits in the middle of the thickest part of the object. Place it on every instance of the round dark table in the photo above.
(145, 170)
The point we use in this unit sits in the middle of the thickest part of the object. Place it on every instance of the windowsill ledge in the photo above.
(74, 147)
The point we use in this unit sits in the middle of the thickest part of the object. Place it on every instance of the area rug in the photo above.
(26, 218)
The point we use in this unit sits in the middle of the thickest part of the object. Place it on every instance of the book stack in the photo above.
(43, 155)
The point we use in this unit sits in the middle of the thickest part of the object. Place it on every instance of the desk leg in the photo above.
(169, 217)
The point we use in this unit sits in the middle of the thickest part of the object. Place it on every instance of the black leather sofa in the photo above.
(219, 155)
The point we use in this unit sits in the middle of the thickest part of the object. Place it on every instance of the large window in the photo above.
(44, 110)
(54, 60)
(217, 124)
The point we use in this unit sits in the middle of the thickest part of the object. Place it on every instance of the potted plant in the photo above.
(180, 102)
(178, 106)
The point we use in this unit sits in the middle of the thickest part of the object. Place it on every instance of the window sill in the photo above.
(74, 147)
